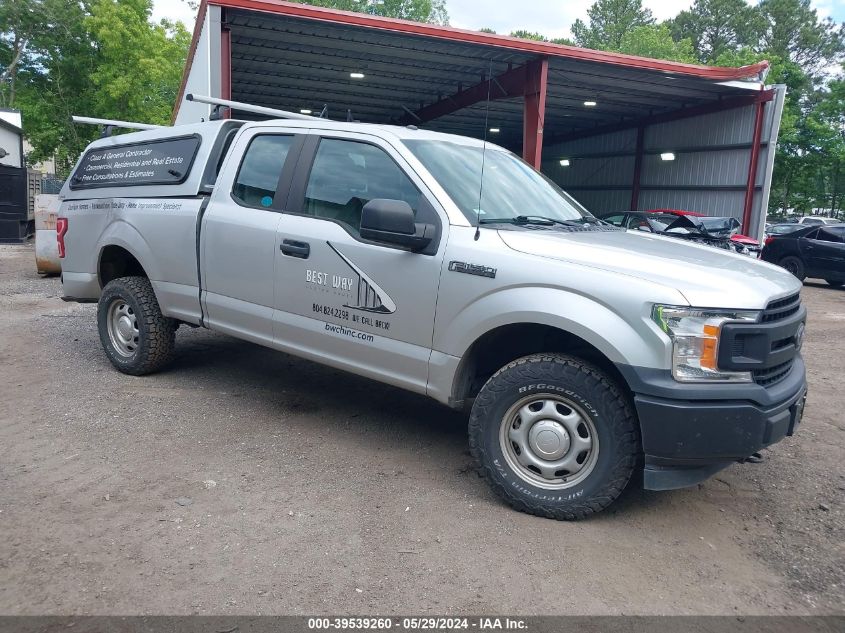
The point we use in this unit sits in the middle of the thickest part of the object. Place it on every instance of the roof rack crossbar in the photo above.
(129, 125)
(246, 107)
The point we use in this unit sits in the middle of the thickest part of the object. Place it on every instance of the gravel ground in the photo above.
(245, 481)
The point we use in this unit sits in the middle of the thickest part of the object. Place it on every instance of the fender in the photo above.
(121, 233)
(622, 339)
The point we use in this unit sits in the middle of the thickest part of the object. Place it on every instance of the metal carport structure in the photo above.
(595, 122)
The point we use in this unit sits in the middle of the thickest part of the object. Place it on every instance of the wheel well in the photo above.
(115, 262)
(497, 348)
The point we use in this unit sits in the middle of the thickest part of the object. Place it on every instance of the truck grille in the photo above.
(774, 312)
(781, 309)
(772, 375)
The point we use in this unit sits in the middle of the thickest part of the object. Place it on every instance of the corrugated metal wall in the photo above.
(709, 173)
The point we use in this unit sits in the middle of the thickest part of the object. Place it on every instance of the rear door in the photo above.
(824, 251)
(239, 232)
(344, 300)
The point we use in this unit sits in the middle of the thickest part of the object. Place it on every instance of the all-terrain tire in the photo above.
(794, 265)
(586, 388)
(835, 284)
(141, 339)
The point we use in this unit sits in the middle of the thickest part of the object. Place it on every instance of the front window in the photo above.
(347, 175)
(512, 189)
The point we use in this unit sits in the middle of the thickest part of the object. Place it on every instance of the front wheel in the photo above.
(794, 265)
(554, 436)
(136, 336)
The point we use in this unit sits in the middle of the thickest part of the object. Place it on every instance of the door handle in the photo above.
(295, 249)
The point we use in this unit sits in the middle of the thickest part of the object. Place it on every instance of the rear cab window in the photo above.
(257, 181)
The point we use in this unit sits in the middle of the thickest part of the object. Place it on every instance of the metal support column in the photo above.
(638, 167)
(536, 84)
(226, 68)
(752, 165)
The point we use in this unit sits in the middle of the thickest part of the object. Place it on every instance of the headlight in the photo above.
(695, 334)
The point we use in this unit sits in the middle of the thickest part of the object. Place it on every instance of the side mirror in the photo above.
(392, 221)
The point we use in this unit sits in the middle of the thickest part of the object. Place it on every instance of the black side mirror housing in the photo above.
(392, 222)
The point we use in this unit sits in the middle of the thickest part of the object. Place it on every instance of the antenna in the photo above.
(483, 151)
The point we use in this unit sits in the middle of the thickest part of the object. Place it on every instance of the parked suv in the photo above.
(582, 351)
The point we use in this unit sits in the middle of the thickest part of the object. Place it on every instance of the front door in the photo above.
(340, 299)
(824, 249)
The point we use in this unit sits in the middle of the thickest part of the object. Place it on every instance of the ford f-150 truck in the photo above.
(446, 266)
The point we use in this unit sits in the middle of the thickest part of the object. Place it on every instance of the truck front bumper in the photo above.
(691, 431)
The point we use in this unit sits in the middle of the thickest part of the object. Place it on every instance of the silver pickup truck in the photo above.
(584, 352)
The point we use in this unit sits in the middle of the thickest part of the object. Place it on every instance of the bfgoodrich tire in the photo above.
(554, 436)
(794, 265)
(135, 335)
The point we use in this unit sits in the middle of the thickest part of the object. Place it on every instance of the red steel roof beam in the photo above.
(534, 110)
(752, 166)
(508, 85)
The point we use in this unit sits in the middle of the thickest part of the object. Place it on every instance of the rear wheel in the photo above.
(136, 336)
(794, 265)
(835, 284)
(554, 436)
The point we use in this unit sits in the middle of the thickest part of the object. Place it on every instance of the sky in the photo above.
(549, 17)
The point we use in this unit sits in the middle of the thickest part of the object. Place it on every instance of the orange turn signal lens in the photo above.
(709, 345)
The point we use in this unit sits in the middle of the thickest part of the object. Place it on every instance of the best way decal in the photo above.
(361, 293)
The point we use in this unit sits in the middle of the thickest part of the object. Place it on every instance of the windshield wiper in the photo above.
(536, 220)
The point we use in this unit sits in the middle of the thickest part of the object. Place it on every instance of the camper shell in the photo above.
(111, 166)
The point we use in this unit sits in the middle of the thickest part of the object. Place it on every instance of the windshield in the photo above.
(717, 224)
(512, 189)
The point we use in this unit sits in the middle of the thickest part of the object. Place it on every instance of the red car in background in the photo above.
(717, 224)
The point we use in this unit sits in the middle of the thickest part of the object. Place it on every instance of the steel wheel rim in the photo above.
(122, 324)
(549, 441)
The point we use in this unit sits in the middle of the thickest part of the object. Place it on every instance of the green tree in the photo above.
(101, 58)
(139, 64)
(53, 82)
(433, 11)
(717, 27)
(19, 24)
(528, 35)
(792, 30)
(609, 22)
(801, 49)
(655, 41)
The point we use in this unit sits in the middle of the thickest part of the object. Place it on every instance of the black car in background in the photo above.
(783, 228)
(810, 251)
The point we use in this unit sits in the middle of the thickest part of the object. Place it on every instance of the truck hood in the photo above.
(708, 277)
